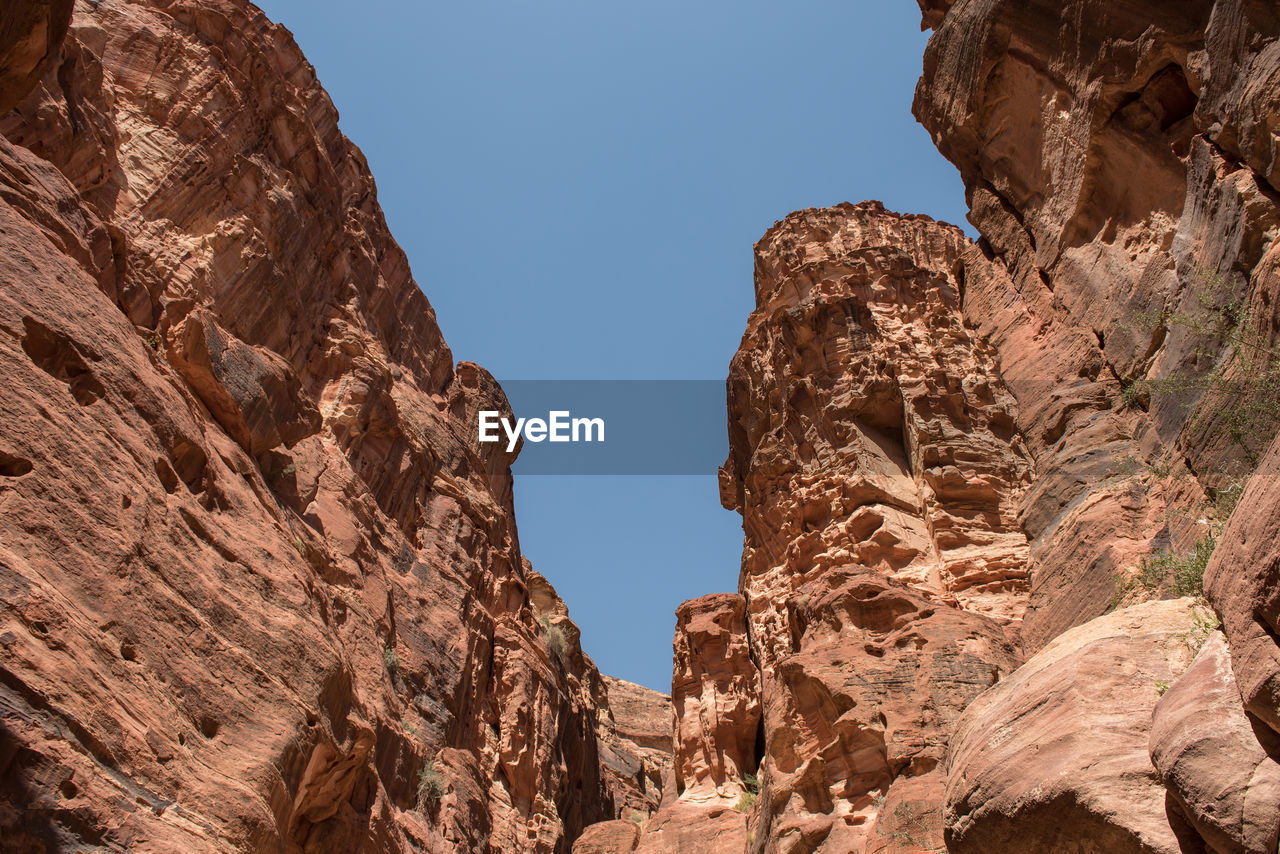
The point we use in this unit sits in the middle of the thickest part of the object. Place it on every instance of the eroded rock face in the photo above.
(715, 694)
(30, 35)
(609, 837)
(634, 731)
(1054, 757)
(714, 722)
(1208, 754)
(1118, 167)
(867, 426)
(1243, 582)
(262, 589)
(875, 461)
(859, 715)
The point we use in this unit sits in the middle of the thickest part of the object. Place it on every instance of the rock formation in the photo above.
(874, 459)
(951, 455)
(1119, 169)
(1101, 158)
(1210, 759)
(262, 590)
(1061, 744)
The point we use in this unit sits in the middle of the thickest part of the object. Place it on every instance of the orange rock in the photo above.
(715, 696)
(1101, 152)
(1209, 755)
(708, 828)
(857, 717)
(263, 588)
(1054, 756)
(874, 458)
(608, 837)
(1240, 581)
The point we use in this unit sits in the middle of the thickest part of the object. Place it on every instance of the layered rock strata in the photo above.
(262, 590)
(1118, 170)
(875, 461)
(1120, 165)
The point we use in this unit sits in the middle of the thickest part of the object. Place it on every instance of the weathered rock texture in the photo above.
(715, 693)
(263, 592)
(1061, 745)
(258, 580)
(949, 453)
(1243, 581)
(634, 732)
(716, 736)
(1207, 752)
(1116, 169)
(1120, 164)
(867, 426)
(609, 837)
(874, 458)
(30, 36)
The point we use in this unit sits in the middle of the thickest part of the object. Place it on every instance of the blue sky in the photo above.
(578, 186)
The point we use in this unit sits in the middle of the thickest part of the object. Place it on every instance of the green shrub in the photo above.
(1183, 574)
(1204, 622)
(744, 803)
(554, 638)
(1236, 394)
(391, 660)
(430, 786)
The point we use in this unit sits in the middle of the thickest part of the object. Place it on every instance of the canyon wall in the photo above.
(1120, 164)
(1009, 505)
(262, 591)
(875, 462)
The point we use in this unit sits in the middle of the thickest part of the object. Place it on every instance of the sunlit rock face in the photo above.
(262, 589)
(1120, 162)
(875, 461)
(1119, 169)
(867, 425)
(1055, 757)
(919, 423)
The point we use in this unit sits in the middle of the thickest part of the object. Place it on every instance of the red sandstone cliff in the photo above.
(261, 590)
(977, 478)
(1121, 166)
(263, 593)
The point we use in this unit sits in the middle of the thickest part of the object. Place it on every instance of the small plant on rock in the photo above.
(430, 786)
(554, 638)
(391, 660)
(1204, 622)
(912, 827)
(752, 785)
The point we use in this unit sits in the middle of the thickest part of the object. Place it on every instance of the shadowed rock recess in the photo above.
(1011, 565)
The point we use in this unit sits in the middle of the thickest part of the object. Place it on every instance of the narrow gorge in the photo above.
(1010, 579)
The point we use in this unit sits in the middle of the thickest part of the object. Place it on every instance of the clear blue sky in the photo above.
(578, 186)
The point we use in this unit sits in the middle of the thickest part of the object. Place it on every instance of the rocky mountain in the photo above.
(1010, 506)
(985, 485)
(262, 589)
